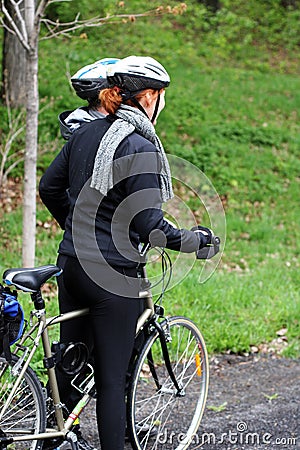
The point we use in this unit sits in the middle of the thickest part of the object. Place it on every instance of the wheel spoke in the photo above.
(165, 419)
(26, 413)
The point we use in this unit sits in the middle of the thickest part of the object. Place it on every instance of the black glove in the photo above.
(205, 235)
(210, 244)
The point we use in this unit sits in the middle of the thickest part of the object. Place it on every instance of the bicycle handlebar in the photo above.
(209, 250)
(206, 252)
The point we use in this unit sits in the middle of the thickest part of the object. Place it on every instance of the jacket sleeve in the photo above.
(53, 187)
(145, 204)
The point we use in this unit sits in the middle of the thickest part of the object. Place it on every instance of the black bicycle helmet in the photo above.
(89, 80)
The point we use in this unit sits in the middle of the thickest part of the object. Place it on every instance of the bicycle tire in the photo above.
(26, 413)
(158, 418)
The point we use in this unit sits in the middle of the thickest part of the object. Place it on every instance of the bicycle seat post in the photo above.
(38, 300)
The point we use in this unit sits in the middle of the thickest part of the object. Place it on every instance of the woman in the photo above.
(87, 83)
(106, 188)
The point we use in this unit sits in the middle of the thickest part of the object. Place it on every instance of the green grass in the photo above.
(233, 112)
(239, 309)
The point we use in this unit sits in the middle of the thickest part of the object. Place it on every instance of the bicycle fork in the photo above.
(163, 342)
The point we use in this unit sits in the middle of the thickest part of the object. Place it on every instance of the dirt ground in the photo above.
(253, 404)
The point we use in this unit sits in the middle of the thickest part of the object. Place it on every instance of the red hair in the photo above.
(111, 98)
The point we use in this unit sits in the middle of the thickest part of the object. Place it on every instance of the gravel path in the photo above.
(253, 404)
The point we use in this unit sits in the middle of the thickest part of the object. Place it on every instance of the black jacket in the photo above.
(70, 121)
(118, 223)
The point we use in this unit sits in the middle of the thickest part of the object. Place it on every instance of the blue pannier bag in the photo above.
(11, 320)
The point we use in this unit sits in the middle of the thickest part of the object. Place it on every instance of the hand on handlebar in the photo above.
(210, 244)
(205, 234)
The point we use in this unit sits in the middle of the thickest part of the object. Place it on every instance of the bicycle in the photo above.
(167, 378)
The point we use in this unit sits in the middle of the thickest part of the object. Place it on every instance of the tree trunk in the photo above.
(32, 107)
(29, 199)
(14, 59)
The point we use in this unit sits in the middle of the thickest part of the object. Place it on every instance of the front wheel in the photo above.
(23, 412)
(158, 417)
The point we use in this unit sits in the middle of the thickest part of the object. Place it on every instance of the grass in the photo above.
(237, 310)
(232, 112)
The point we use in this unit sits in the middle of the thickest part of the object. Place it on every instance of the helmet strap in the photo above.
(156, 108)
(139, 106)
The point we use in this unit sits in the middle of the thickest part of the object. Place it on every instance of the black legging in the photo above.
(110, 328)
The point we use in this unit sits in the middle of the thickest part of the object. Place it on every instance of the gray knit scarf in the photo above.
(130, 119)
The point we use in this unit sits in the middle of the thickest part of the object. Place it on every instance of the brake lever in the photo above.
(209, 250)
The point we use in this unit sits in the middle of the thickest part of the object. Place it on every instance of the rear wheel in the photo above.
(25, 412)
(158, 417)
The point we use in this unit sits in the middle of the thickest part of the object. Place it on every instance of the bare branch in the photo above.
(12, 137)
(15, 127)
(56, 28)
(13, 165)
(4, 25)
(23, 38)
(14, 155)
(20, 18)
(58, 1)
(41, 9)
(5, 149)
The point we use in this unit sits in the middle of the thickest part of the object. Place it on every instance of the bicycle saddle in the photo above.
(30, 280)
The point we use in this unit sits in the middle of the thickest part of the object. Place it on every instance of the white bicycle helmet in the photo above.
(90, 79)
(136, 73)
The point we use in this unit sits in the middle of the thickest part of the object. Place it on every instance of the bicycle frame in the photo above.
(38, 333)
(157, 328)
(40, 330)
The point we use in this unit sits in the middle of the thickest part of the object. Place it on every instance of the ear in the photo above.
(149, 98)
